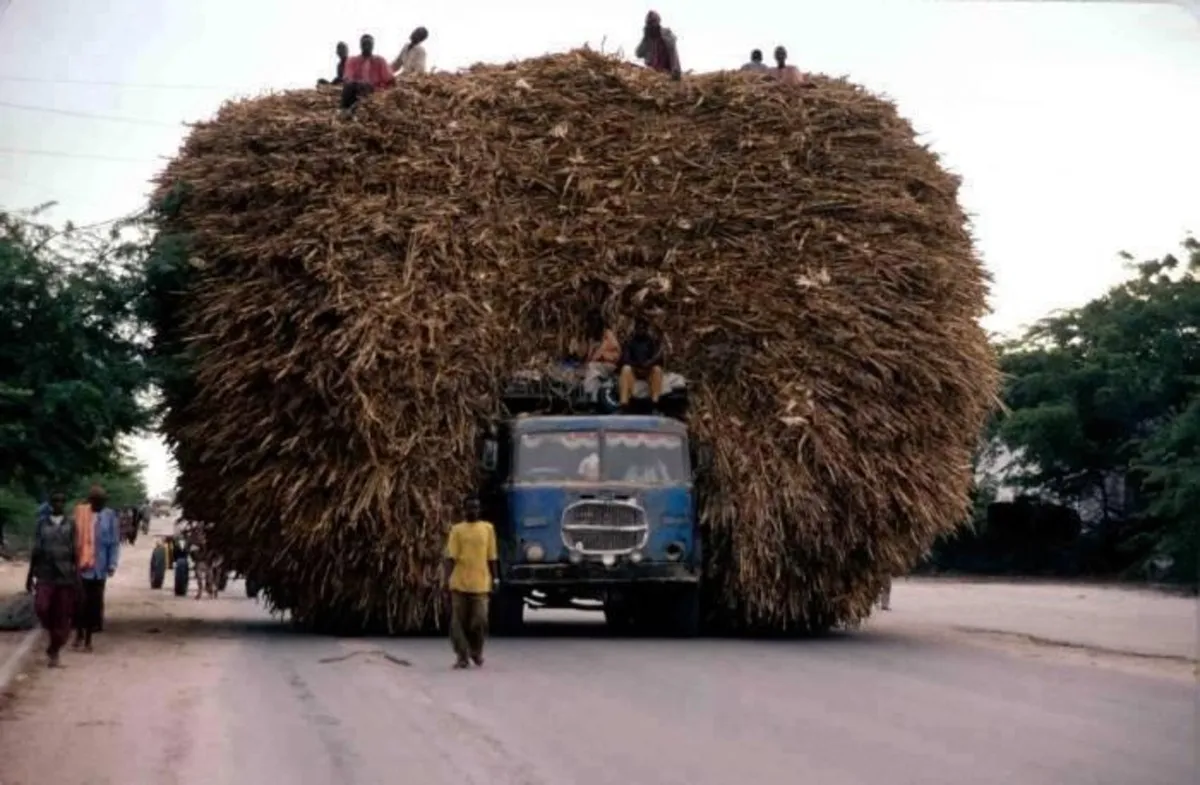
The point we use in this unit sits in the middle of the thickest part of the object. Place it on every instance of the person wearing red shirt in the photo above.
(365, 73)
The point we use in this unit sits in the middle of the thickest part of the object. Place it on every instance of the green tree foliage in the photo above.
(71, 361)
(1108, 396)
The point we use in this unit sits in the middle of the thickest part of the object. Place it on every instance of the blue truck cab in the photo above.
(595, 510)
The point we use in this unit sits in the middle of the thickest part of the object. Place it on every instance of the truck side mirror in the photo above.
(489, 456)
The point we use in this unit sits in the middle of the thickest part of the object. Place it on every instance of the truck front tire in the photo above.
(506, 612)
(181, 577)
(683, 608)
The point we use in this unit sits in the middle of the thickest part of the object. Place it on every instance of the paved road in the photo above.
(182, 692)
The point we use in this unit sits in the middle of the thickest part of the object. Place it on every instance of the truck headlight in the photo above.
(534, 552)
(636, 557)
(675, 551)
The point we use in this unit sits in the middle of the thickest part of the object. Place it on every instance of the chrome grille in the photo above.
(600, 527)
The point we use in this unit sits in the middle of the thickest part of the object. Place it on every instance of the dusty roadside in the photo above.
(1136, 630)
(12, 590)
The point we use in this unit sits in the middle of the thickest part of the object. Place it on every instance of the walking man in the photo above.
(471, 574)
(99, 538)
(54, 569)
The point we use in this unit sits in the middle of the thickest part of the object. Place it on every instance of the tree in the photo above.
(71, 367)
(1102, 405)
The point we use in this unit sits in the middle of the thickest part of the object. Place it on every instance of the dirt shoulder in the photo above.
(12, 591)
(1129, 628)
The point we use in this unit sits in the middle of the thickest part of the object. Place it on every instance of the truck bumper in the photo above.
(593, 574)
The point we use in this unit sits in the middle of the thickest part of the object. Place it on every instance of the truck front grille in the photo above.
(600, 527)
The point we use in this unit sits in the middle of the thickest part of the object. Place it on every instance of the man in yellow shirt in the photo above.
(471, 575)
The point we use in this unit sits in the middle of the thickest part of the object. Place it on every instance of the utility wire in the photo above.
(102, 83)
(86, 156)
(89, 115)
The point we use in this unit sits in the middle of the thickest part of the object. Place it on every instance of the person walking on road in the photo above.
(471, 574)
(54, 574)
(99, 537)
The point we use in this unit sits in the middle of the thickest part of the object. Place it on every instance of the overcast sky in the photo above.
(1073, 124)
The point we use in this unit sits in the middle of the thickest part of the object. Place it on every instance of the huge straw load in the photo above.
(356, 290)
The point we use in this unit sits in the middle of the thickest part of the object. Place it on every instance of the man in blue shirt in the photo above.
(97, 567)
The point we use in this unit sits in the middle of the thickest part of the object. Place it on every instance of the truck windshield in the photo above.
(644, 457)
(560, 456)
(641, 457)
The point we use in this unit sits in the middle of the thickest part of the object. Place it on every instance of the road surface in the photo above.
(183, 692)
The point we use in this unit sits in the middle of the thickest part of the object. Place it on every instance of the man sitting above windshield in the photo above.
(641, 360)
(601, 354)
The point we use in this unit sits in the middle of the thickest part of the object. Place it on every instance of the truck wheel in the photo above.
(158, 566)
(683, 606)
(618, 615)
(507, 612)
(181, 577)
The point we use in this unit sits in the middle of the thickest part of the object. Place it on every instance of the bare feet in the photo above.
(461, 665)
(478, 660)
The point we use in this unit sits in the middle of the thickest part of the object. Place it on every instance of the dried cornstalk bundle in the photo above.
(358, 289)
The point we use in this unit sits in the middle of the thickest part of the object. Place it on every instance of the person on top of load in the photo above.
(343, 52)
(641, 360)
(756, 62)
(411, 59)
(788, 74)
(602, 353)
(365, 73)
(657, 49)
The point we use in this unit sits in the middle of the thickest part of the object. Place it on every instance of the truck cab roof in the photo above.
(599, 422)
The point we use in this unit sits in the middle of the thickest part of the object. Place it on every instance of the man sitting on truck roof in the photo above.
(602, 354)
(641, 359)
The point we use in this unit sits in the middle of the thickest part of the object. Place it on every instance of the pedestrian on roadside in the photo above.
(54, 574)
(99, 538)
(885, 596)
(411, 59)
(471, 575)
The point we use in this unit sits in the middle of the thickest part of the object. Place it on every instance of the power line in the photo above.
(64, 154)
(102, 83)
(89, 115)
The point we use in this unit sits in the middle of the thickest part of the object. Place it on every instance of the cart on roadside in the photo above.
(172, 552)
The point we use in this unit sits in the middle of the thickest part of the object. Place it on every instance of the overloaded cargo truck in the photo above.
(594, 508)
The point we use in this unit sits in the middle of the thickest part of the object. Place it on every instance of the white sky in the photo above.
(1074, 124)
